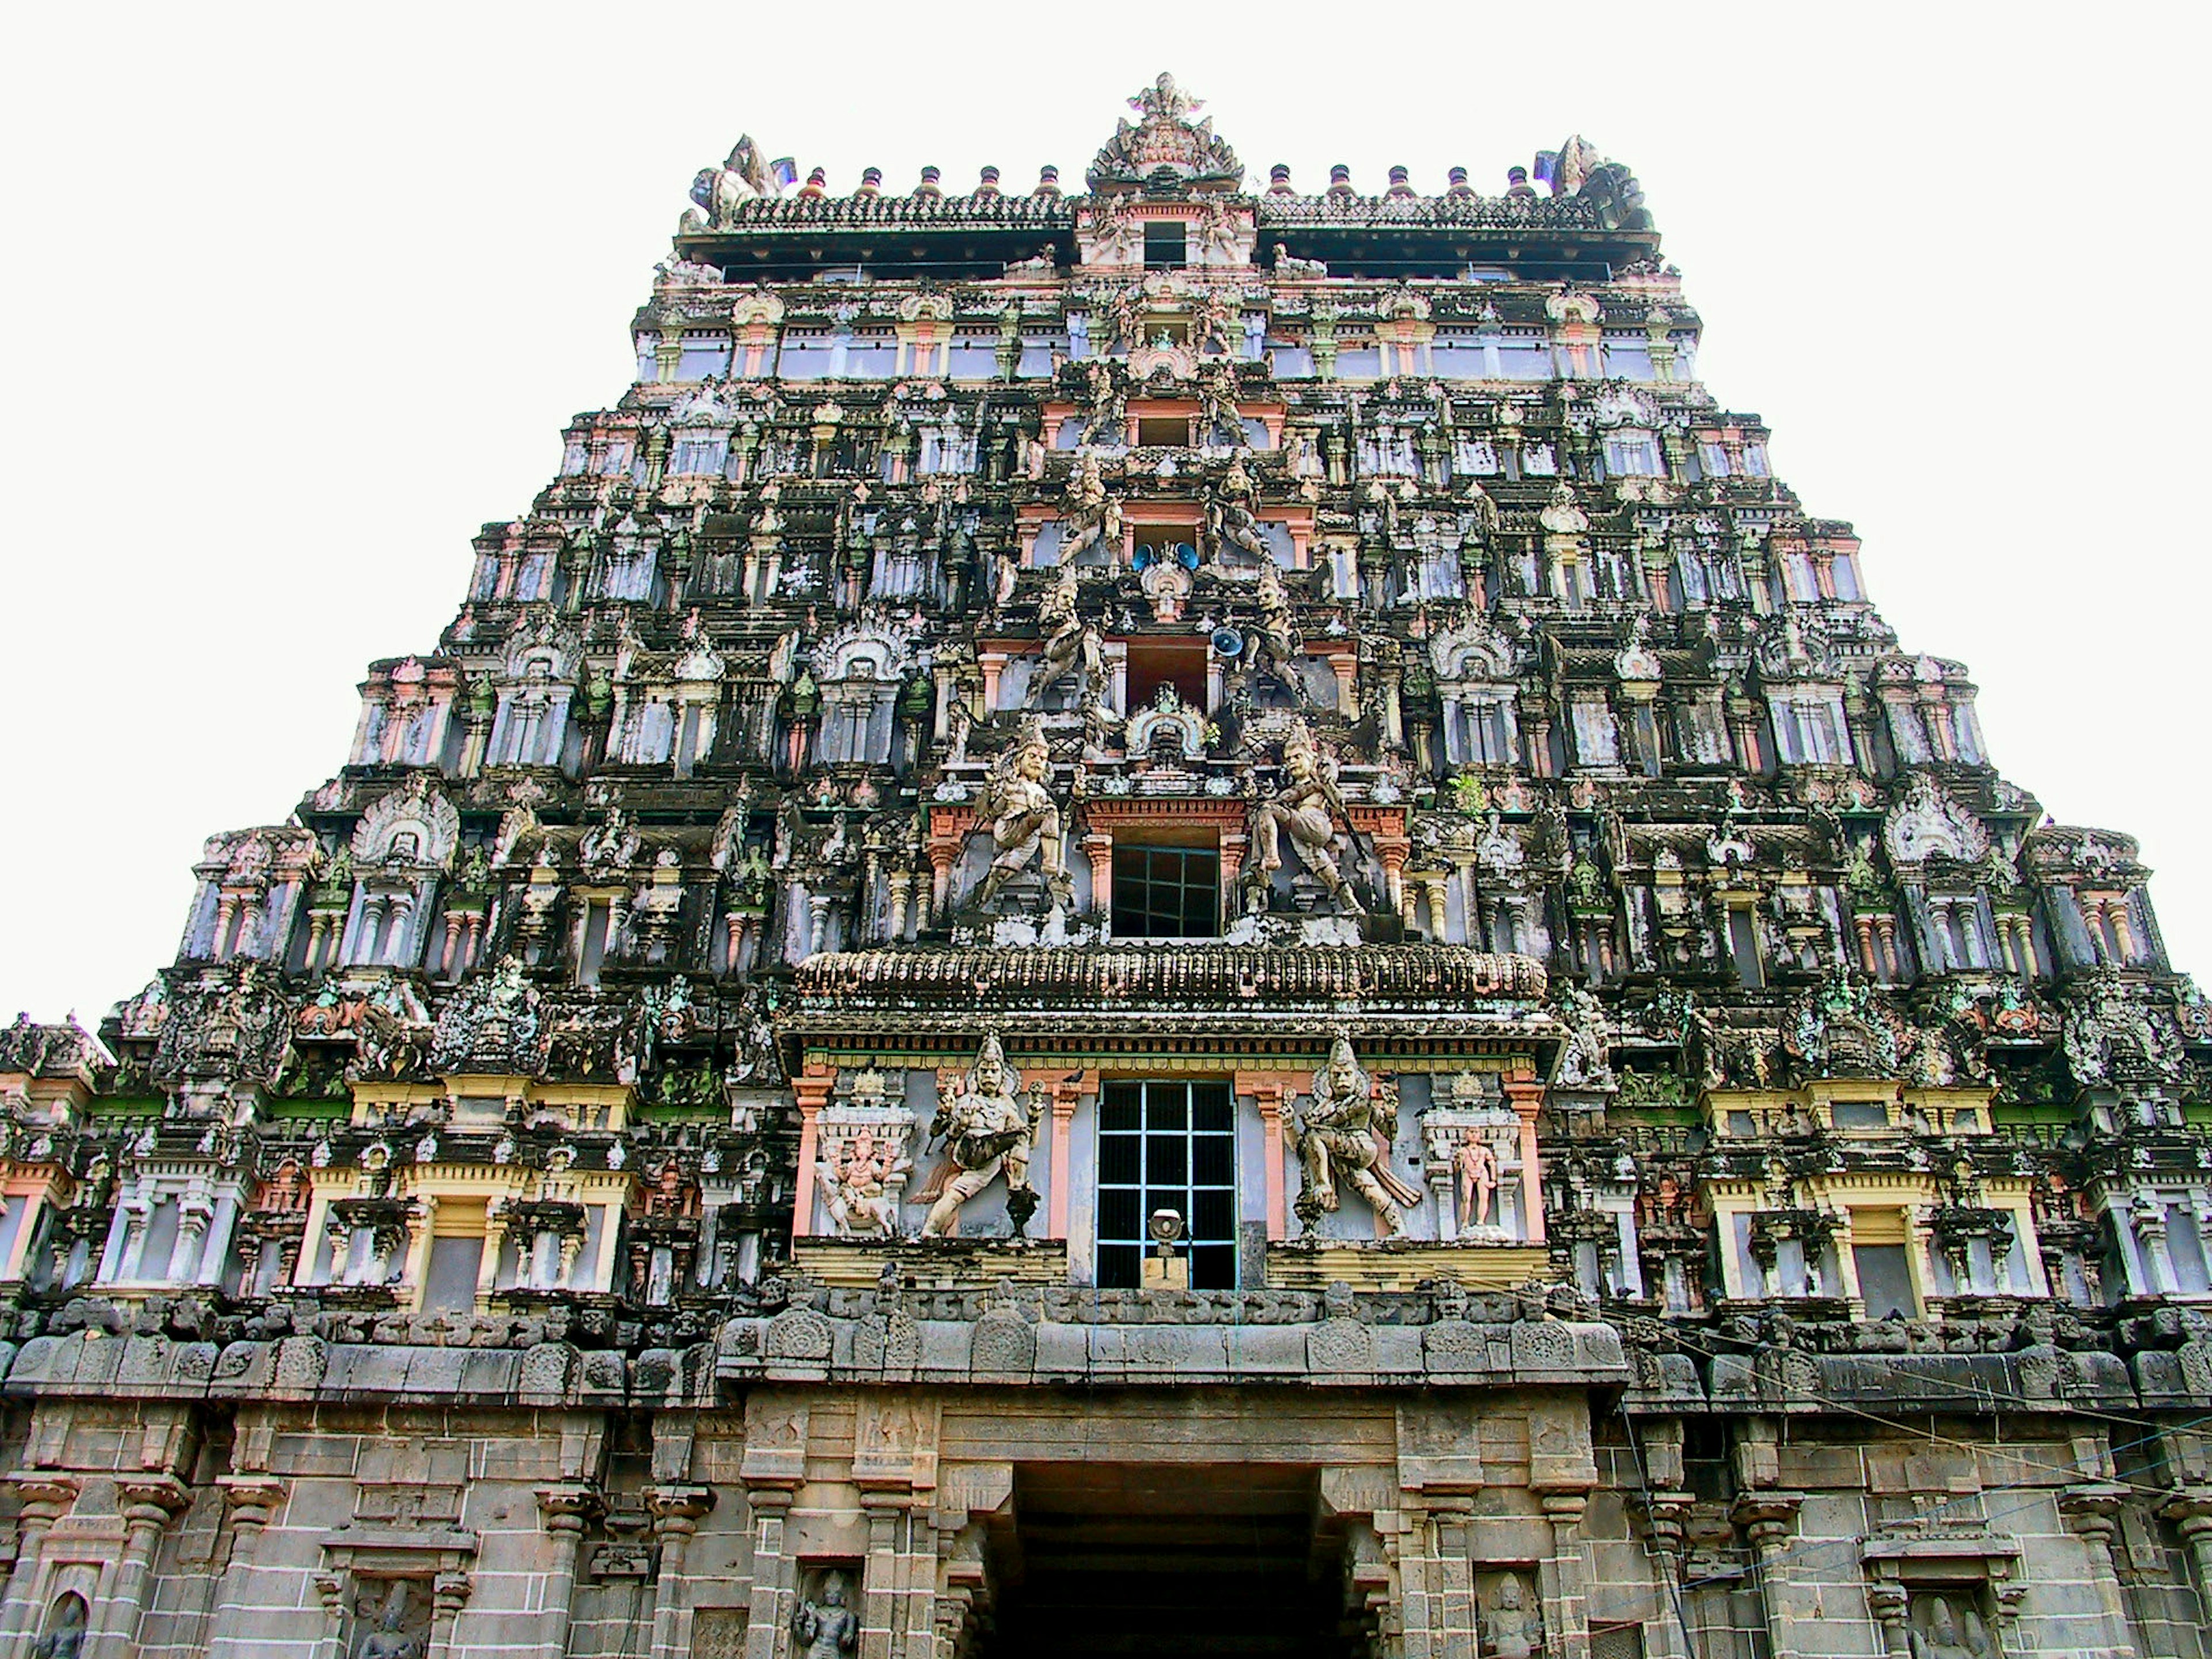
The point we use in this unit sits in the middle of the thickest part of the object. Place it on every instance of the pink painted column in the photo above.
(1269, 1090)
(812, 1091)
(1065, 1098)
(1527, 1097)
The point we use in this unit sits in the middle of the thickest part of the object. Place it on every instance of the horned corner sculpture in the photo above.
(1179, 914)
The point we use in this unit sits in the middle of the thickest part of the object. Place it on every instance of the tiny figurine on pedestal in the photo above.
(986, 1128)
(1343, 1134)
(1476, 1165)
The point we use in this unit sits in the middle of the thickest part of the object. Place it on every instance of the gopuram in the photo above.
(1180, 918)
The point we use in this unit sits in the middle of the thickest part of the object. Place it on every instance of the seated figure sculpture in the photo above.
(1342, 1137)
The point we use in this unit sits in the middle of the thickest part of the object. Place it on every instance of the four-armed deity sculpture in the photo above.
(986, 1128)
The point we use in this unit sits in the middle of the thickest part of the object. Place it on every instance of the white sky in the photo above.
(296, 297)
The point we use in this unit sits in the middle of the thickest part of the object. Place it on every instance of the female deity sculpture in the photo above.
(1309, 807)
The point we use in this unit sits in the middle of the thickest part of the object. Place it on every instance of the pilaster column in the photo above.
(1526, 1096)
(252, 1499)
(882, 1591)
(148, 1503)
(765, 1614)
(811, 1088)
(1889, 1603)
(1098, 846)
(568, 1509)
(2092, 1510)
(676, 1511)
(1065, 1097)
(1269, 1092)
(46, 1499)
(1768, 1518)
(2189, 1509)
(449, 1594)
(1565, 1577)
(1666, 1517)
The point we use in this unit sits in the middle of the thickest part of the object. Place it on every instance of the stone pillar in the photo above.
(771, 1568)
(2189, 1509)
(46, 1499)
(1891, 1606)
(254, 1498)
(676, 1511)
(1767, 1519)
(568, 1509)
(2093, 1509)
(148, 1503)
(1564, 1576)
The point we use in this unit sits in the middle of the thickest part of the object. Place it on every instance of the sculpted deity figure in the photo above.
(1516, 1630)
(1216, 401)
(986, 1128)
(66, 1639)
(826, 1628)
(1275, 644)
(1070, 641)
(1229, 518)
(1948, 1636)
(1109, 413)
(1024, 819)
(856, 1188)
(1476, 1164)
(390, 1639)
(1290, 269)
(1310, 807)
(1089, 515)
(742, 178)
(1342, 1136)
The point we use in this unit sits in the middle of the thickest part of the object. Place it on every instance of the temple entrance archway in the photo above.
(1118, 1561)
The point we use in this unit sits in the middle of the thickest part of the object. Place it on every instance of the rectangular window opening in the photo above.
(1167, 1147)
(1154, 663)
(1166, 892)
(1162, 432)
(1166, 245)
(1743, 947)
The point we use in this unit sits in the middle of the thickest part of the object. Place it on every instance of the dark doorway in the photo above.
(1114, 1561)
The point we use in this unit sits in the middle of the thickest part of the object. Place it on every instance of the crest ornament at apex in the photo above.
(1164, 145)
